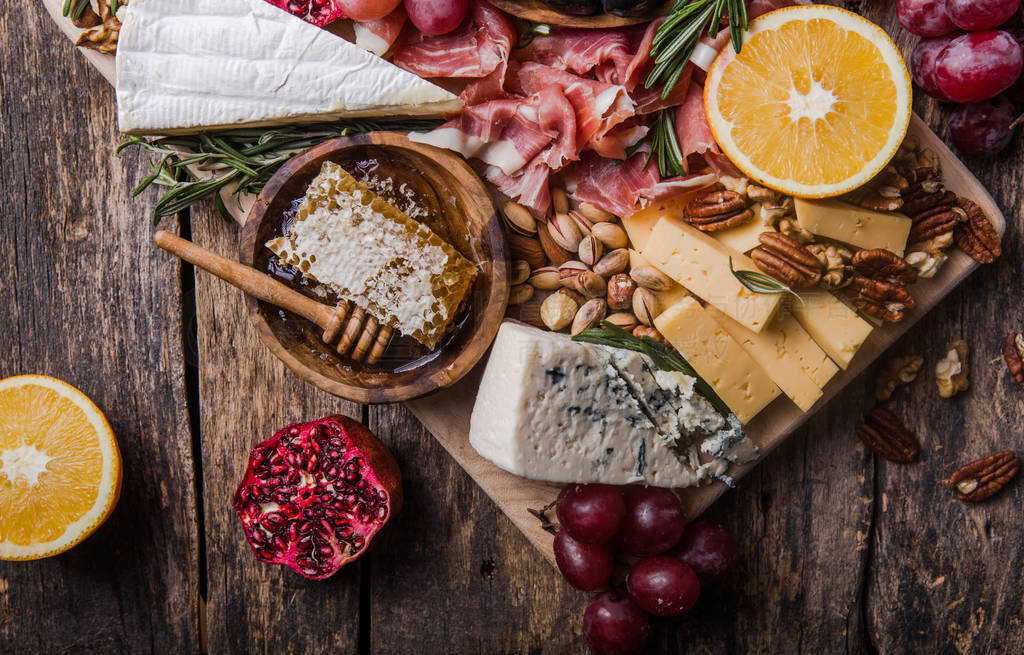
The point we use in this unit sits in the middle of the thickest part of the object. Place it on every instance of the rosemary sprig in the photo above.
(667, 359)
(665, 144)
(677, 37)
(246, 158)
(74, 8)
(761, 283)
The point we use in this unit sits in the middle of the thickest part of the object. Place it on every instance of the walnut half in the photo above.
(898, 371)
(951, 371)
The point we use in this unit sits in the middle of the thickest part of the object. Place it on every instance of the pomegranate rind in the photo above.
(315, 495)
(317, 12)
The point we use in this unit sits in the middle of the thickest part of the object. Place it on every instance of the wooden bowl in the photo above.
(538, 12)
(468, 222)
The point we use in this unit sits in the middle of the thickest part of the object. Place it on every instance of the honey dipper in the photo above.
(361, 336)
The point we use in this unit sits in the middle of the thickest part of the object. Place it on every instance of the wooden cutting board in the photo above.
(446, 414)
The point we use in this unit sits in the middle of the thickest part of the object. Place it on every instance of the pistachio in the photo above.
(520, 271)
(650, 278)
(564, 232)
(585, 227)
(642, 331)
(614, 262)
(624, 320)
(559, 201)
(545, 278)
(519, 219)
(554, 253)
(596, 214)
(571, 269)
(620, 291)
(645, 306)
(527, 249)
(590, 284)
(611, 235)
(576, 296)
(589, 315)
(520, 293)
(590, 250)
(557, 311)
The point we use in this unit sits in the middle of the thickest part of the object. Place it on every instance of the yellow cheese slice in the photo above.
(834, 326)
(640, 225)
(743, 238)
(666, 298)
(701, 264)
(777, 350)
(737, 379)
(848, 223)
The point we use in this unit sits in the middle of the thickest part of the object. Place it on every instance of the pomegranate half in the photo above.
(316, 494)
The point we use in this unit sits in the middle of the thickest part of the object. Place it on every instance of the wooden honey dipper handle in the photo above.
(251, 281)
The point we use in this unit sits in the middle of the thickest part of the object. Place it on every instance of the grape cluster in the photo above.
(642, 528)
(970, 54)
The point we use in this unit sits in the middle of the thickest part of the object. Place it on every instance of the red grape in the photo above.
(654, 521)
(615, 625)
(924, 61)
(924, 17)
(588, 567)
(436, 17)
(663, 585)
(977, 15)
(982, 129)
(710, 550)
(364, 10)
(978, 66)
(591, 513)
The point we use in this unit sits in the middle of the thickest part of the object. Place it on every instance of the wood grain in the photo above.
(538, 12)
(83, 297)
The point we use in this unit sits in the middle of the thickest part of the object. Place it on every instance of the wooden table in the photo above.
(842, 552)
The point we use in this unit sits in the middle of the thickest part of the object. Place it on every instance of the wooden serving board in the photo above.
(538, 12)
(446, 414)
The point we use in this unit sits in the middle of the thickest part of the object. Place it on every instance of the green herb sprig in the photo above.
(667, 359)
(74, 8)
(665, 145)
(246, 158)
(761, 283)
(677, 37)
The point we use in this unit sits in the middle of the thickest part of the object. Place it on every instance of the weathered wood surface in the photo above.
(842, 552)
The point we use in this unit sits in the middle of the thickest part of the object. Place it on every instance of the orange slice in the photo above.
(60, 468)
(815, 104)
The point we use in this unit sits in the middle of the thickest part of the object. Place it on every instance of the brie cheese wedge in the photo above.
(192, 65)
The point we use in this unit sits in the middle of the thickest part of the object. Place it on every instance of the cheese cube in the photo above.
(778, 350)
(832, 324)
(640, 225)
(701, 264)
(743, 238)
(737, 379)
(848, 223)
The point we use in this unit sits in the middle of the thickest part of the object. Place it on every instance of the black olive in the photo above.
(575, 7)
(628, 7)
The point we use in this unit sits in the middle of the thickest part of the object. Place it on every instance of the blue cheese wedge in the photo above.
(552, 409)
(190, 65)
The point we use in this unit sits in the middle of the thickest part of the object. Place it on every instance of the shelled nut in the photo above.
(520, 271)
(595, 214)
(519, 219)
(557, 311)
(620, 291)
(611, 235)
(589, 315)
(651, 278)
(576, 296)
(545, 278)
(614, 262)
(644, 306)
(520, 293)
(590, 250)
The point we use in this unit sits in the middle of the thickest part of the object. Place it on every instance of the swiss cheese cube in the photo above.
(785, 351)
(832, 324)
(738, 380)
(848, 223)
(701, 264)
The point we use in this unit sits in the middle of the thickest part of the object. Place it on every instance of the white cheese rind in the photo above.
(188, 65)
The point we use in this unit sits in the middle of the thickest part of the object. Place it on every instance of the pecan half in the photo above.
(984, 477)
(880, 299)
(883, 433)
(976, 236)
(927, 195)
(717, 209)
(787, 260)
(881, 264)
(936, 221)
(883, 193)
(1013, 351)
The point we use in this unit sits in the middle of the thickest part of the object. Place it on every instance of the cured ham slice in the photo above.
(530, 186)
(378, 36)
(616, 141)
(619, 187)
(695, 138)
(479, 47)
(605, 53)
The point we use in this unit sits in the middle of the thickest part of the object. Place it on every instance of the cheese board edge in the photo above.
(446, 414)
(536, 11)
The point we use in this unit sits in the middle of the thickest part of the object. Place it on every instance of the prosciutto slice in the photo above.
(378, 36)
(695, 138)
(618, 188)
(476, 49)
(605, 53)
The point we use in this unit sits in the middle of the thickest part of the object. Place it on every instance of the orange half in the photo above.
(815, 104)
(60, 468)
